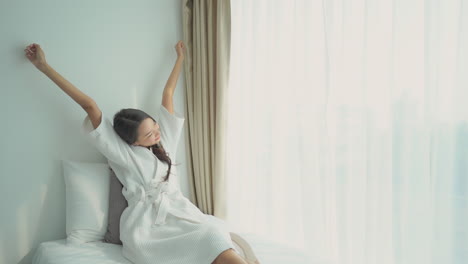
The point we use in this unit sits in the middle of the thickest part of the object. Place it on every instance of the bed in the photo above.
(94, 203)
(58, 252)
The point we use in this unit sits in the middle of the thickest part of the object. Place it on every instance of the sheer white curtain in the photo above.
(348, 128)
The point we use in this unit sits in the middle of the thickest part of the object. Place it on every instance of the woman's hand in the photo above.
(180, 48)
(36, 55)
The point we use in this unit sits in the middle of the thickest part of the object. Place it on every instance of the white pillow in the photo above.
(87, 200)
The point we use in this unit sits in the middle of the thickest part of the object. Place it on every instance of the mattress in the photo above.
(58, 252)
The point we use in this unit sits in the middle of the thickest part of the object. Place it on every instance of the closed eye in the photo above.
(156, 125)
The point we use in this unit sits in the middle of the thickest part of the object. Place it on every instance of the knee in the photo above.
(225, 257)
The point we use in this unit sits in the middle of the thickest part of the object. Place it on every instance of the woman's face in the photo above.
(148, 133)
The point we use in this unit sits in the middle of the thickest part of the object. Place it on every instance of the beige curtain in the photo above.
(206, 29)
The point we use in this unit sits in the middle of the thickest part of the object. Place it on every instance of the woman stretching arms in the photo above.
(160, 224)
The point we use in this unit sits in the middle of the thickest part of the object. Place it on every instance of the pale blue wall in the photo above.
(118, 52)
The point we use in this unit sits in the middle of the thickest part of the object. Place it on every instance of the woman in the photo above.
(160, 224)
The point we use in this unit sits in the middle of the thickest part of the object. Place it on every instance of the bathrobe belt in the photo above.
(164, 194)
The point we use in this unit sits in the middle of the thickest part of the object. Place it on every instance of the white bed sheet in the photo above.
(58, 252)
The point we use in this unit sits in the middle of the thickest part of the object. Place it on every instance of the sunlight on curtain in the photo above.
(348, 128)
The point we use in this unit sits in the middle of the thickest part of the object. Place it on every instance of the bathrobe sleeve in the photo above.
(106, 140)
(171, 128)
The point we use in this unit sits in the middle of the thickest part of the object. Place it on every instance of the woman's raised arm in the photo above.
(168, 92)
(36, 55)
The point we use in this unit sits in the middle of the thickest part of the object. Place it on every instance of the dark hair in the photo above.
(126, 123)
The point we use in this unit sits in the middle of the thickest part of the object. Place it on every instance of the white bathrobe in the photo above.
(160, 225)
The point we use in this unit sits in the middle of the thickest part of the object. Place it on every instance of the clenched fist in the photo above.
(36, 55)
(180, 48)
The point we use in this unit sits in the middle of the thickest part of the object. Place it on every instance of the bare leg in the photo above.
(229, 257)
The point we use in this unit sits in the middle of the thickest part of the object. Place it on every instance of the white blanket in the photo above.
(58, 252)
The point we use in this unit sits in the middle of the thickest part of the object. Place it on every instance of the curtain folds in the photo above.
(347, 128)
(206, 29)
